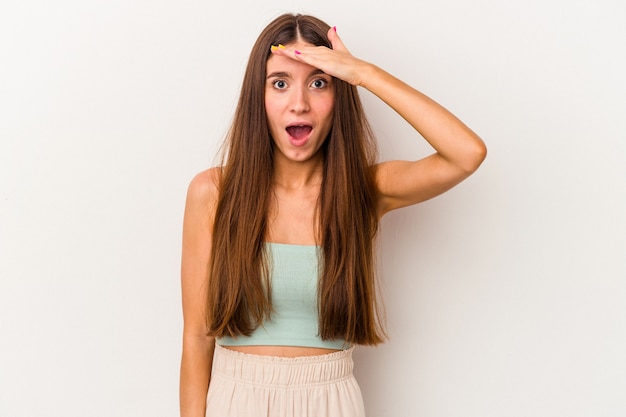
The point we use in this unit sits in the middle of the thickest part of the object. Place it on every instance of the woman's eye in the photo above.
(280, 84)
(319, 83)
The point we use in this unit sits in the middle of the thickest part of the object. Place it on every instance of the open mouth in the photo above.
(299, 132)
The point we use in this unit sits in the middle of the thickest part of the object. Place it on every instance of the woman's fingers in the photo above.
(335, 40)
(337, 62)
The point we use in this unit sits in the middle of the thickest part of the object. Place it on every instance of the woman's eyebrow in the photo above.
(285, 74)
(317, 71)
(279, 74)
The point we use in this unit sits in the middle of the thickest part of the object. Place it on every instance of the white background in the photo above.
(505, 297)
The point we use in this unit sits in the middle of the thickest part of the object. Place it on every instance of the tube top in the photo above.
(294, 322)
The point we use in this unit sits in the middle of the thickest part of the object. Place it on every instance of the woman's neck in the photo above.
(295, 174)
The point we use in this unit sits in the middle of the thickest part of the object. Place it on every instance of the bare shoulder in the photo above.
(202, 196)
(204, 187)
(382, 172)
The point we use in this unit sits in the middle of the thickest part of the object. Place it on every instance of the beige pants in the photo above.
(244, 385)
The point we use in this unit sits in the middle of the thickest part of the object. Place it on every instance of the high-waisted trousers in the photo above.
(245, 385)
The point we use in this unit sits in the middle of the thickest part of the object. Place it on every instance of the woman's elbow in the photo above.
(474, 157)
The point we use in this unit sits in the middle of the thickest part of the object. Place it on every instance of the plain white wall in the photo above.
(505, 296)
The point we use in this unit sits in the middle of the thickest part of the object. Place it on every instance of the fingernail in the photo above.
(296, 52)
(273, 48)
(335, 28)
(281, 46)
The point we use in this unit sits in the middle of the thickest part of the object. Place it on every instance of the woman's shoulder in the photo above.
(204, 186)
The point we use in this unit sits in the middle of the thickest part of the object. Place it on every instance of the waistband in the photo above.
(283, 372)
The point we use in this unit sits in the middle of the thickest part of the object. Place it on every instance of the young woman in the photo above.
(277, 263)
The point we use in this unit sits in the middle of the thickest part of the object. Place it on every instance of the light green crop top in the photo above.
(294, 321)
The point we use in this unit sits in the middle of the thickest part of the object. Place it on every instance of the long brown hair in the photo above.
(238, 292)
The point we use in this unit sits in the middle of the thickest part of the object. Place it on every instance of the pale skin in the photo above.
(297, 93)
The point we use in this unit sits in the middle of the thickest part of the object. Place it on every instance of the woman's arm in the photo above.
(197, 352)
(458, 150)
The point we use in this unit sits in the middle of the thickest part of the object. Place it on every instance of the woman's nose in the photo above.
(300, 101)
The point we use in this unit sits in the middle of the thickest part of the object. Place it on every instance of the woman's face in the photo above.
(299, 102)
